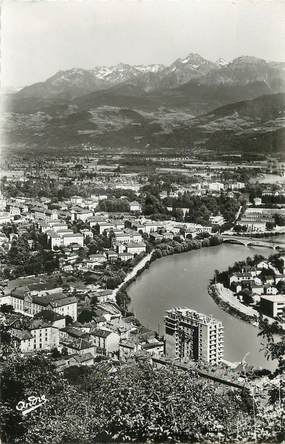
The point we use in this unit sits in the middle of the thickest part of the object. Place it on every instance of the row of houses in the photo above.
(77, 208)
(256, 218)
(27, 302)
(110, 336)
(261, 283)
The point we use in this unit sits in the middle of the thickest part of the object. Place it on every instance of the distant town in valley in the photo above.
(76, 232)
(142, 254)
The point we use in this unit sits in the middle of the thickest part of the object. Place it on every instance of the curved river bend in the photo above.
(183, 280)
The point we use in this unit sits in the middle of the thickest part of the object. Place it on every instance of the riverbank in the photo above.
(228, 302)
(161, 250)
(221, 295)
(133, 274)
(182, 280)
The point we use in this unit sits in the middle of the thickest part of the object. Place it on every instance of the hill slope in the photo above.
(252, 125)
(193, 83)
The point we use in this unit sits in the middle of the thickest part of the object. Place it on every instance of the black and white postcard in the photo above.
(142, 221)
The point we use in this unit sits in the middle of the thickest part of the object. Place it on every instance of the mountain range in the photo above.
(150, 78)
(237, 105)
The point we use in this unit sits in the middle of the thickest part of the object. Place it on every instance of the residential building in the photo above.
(106, 340)
(64, 238)
(121, 237)
(257, 201)
(112, 256)
(103, 295)
(217, 220)
(72, 238)
(270, 289)
(30, 304)
(5, 217)
(150, 227)
(135, 206)
(128, 348)
(216, 186)
(236, 186)
(95, 260)
(273, 305)
(39, 335)
(81, 214)
(76, 200)
(193, 335)
(78, 346)
(104, 226)
(241, 277)
(153, 347)
(136, 247)
(125, 256)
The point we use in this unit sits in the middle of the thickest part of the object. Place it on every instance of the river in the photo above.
(182, 280)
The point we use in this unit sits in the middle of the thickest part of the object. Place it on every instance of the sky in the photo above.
(41, 37)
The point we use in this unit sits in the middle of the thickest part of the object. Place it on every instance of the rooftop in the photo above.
(136, 244)
(188, 313)
(101, 333)
(279, 298)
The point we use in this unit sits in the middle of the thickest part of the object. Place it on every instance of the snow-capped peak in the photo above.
(186, 60)
(122, 71)
(116, 73)
(221, 62)
(150, 68)
(193, 60)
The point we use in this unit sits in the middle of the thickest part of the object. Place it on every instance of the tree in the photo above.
(205, 242)
(114, 205)
(6, 308)
(123, 299)
(85, 316)
(55, 354)
(275, 346)
(238, 228)
(153, 205)
(281, 287)
(144, 404)
(265, 273)
(157, 254)
(17, 384)
(93, 301)
(6, 343)
(19, 252)
(246, 295)
(82, 253)
(279, 219)
(68, 320)
(160, 405)
(269, 226)
(58, 420)
(215, 240)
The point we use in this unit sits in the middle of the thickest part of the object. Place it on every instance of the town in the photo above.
(142, 222)
(66, 264)
(70, 251)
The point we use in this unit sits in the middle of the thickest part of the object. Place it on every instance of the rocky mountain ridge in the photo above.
(193, 68)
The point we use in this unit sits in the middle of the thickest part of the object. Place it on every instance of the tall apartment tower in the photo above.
(193, 335)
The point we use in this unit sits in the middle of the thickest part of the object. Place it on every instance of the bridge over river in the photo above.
(254, 242)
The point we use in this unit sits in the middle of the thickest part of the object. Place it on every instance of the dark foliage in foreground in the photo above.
(133, 403)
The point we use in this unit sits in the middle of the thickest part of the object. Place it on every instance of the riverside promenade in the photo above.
(132, 274)
(227, 296)
(224, 295)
